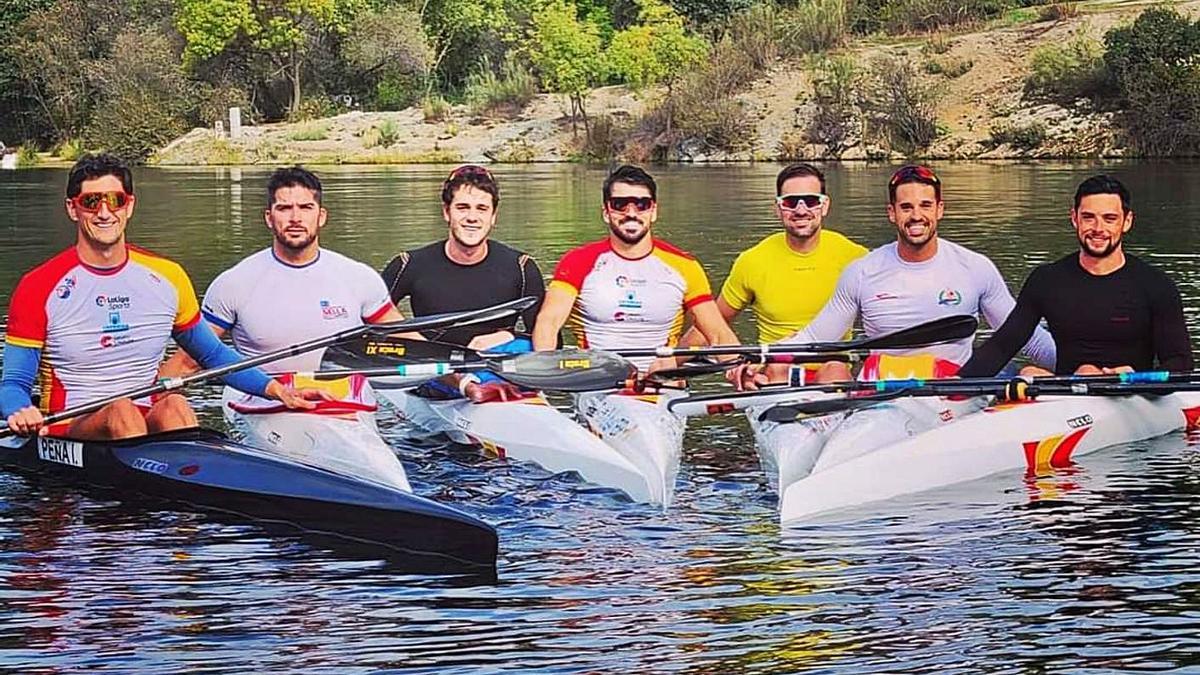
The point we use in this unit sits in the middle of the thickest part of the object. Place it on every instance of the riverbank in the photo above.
(982, 108)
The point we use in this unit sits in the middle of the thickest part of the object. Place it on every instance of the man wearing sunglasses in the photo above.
(631, 289)
(787, 277)
(469, 270)
(915, 279)
(94, 321)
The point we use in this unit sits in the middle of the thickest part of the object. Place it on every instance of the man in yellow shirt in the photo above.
(787, 277)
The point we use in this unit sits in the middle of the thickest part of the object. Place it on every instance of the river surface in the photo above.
(1093, 569)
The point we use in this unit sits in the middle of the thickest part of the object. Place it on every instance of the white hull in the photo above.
(1033, 436)
(347, 443)
(641, 461)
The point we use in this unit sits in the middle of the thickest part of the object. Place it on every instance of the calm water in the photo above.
(1094, 569)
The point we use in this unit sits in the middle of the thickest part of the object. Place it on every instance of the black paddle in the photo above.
(396, 362)
(407, 325)
(945, 329)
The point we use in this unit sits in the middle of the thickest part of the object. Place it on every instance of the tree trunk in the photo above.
(294, 76)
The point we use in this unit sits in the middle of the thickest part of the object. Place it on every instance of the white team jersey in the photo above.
(890, 294)
(267, 304)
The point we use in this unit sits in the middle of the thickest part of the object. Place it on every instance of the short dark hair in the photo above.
(474, 175)
(914, 173)
(292, 176)
(633, 175)
(90, 167)
(1103, 184)
(793, 170)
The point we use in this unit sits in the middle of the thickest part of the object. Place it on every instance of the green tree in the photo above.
(13, 95)
(388, 54)
(282, 30)
(461, 31)
(567, 54)
(656, 51)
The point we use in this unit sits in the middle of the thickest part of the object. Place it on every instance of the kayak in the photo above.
(339, 435)
(1034, 436)
(204, 469)
(632, 443)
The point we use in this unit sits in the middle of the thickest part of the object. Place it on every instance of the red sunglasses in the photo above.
(619, 204)
(91, 201)
(922, 173)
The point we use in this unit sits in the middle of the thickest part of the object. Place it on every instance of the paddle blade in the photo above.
(372, 352)
(571, 370)
(945, 329)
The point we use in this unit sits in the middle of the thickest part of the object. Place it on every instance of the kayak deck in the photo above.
(205, 469)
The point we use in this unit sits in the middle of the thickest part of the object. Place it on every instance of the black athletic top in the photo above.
(437, 284)
(1131, 317)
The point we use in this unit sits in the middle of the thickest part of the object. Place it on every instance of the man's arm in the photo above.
(535, 286)
(710, 322)
(1172, 346)
(1004, 344)
(556, 309)
(838, 315)
(695, 338)
(996, 305)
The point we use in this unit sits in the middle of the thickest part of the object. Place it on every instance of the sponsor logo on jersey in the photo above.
(114, 301)
(109, 340)
(115, 324)
(630, 301)
(330, 311)
(623, 281)
(64, 289)
(949, 298)
(886, 296)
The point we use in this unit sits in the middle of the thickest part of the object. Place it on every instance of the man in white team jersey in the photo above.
(917, 278)
(294, 290)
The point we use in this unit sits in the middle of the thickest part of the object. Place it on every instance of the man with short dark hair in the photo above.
(469, 270)
(94, 321)
(1108, 311)
(788, 277)
(630, 289)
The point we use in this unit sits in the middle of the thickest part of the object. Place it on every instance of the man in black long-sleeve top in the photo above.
(1108, 311)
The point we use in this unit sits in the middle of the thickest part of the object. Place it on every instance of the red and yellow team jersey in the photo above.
(101, 331)
(630, 303)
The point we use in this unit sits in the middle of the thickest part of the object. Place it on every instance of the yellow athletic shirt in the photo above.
(786, 289)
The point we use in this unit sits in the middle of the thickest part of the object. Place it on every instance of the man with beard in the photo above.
(1108, 311)
(631, 289)
(788, 277)
(915, 279)
(294, 290)
(94, 321)
(469, 270)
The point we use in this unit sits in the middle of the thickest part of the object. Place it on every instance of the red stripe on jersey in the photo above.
(27, 309)
(697, 300)
(578, 262)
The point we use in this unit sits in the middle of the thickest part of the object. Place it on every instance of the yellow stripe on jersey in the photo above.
(22, 342)
(695, 281)
(188, 310)
(563, 286)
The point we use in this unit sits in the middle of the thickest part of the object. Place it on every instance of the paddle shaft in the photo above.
(946, 329)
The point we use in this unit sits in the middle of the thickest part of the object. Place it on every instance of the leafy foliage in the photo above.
(567, 54)
(655, 51)
(507, 92)
(1068, 71)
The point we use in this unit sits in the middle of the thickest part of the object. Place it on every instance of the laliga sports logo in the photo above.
(949, 297)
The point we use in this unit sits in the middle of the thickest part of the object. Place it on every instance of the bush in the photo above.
(950, 67)
(27, 156)
(938, 43)
(605, 141)
(435, 108)
(902, 16)
(315, 108)
(68, 150)
(1021, 137)
(311, 132)
(813, 26)
(901, 107)
(506, 93)
(755, 33)
(1058, 11)
(1068, 71)
(397, 91)
(792, 147)
(836, 94)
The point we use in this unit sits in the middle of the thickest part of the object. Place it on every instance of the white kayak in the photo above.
(1034, 436)
(633, 444)
(340, 435)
